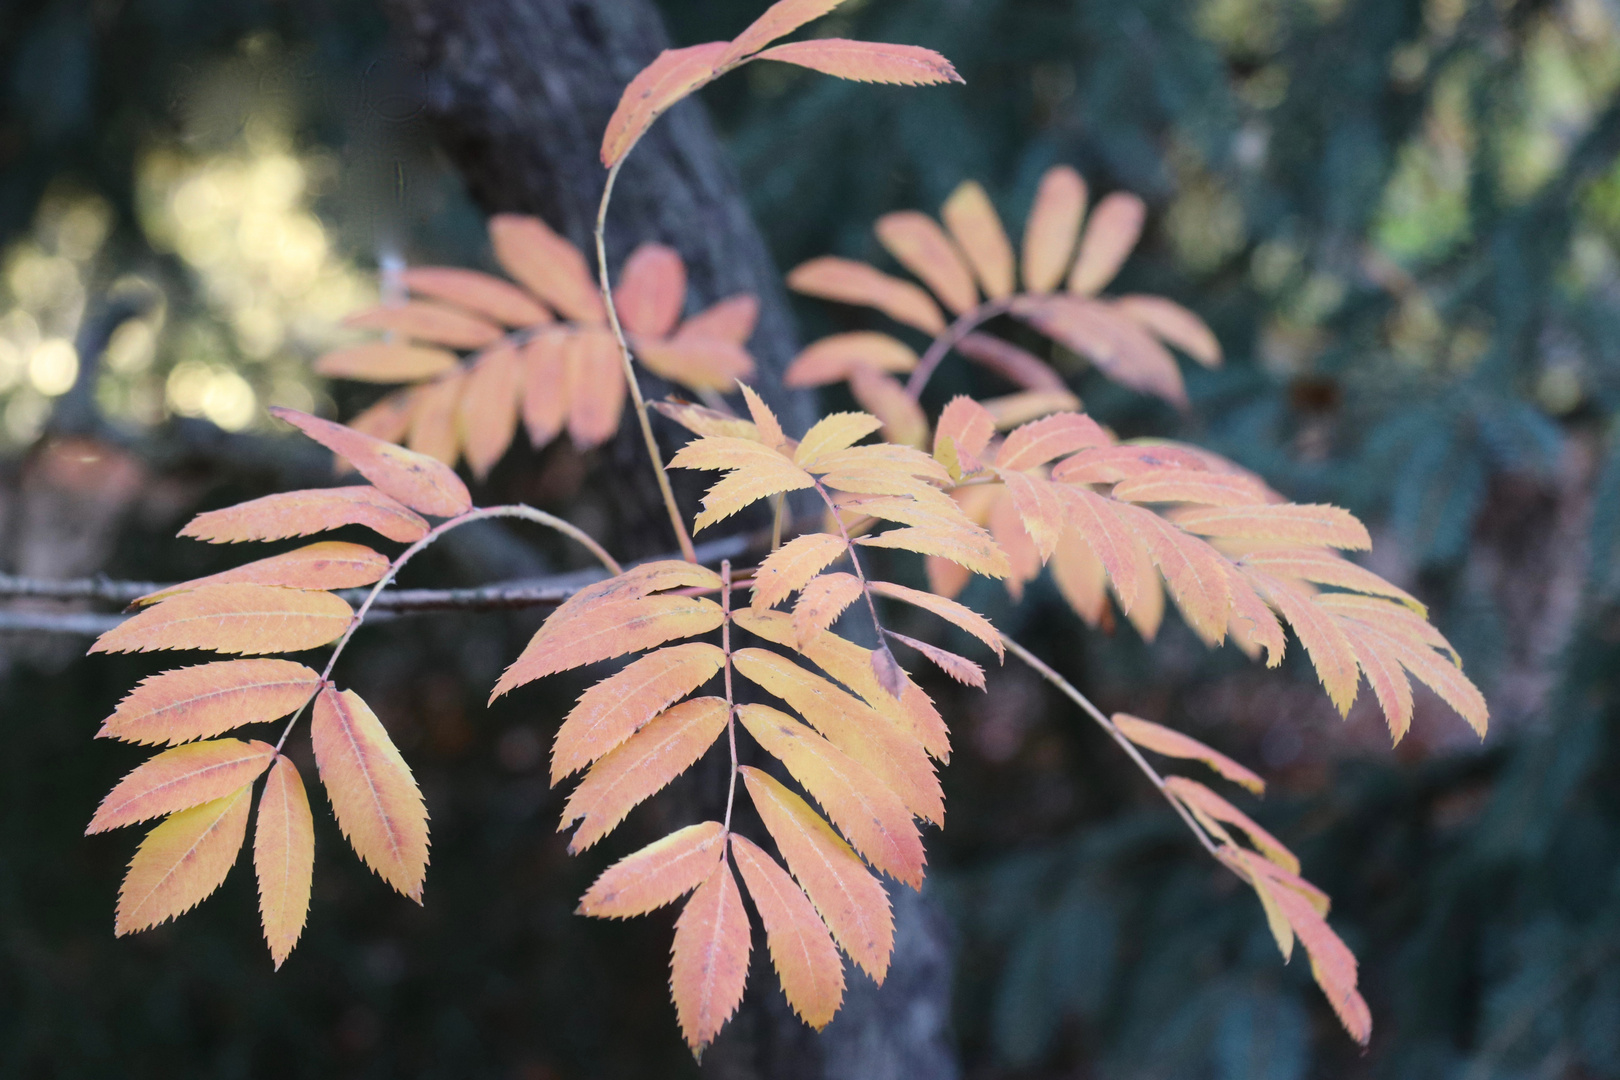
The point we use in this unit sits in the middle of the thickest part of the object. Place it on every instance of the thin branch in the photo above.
(1118, 736)
(675, 520)
(965, 324)
(731, 701)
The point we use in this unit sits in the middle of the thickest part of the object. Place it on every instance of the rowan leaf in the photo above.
(234, 618)
(1385, 675)
(747, 486)
(1040, 441)
(802, 950)
(1326, 568)
(866, 61)
(1332, 964)
(851, 282)
(1177, 485)
(547, 265)
(330, 564)
(435, 431)
(1110, 464)
(969, 427)
(300, 513)
(1293, 524)
(918, 243)
(1018, 366)
(1388, 618)
(894, 756)
(672, 75)
(596, 387)
(865, 810)
(1040, 506)
(181, 778)
(694, 361)
(617, 707)
(709, 961)
(790, 566)
(701, 420)
(1027, 405)
(181, 862)
(977, 229)
(667, 746)
(1111, 539)
(1329, 649)
(1112, 232)
(385, 362)
(849, 899)
(1052, 227)
(1171, 743)
(660, 873)
(1118, 346)
(904, 422)
(283, 858)
(1252, 624)
(427, 321)
(821, 601)
(832, 433)
(1195, 573)
(834, 358)
(1208, 806)
(766, 425)
(958, 614)
(779, 20)
(960, 668)
(373, 794)
(1080, 577)
(388, 419)
(207, 699)
(615, 617)
(545, 387)
(731, 320)
(1175, 325)
(652, 290)
(485, 294)
(419, 482)
(1439, 675)
(489, 407)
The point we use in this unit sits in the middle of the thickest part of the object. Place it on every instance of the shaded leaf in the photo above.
(233, 619)
(330, 564)
(546, 264)
(1175, 325)
(959, 615)
(778, 20)
(1171, 743)
(181, 862)
(1208, 806)
(489, 408)
(419, 482)
(921, 246)
(977, 229)
(428, 321)
(545, 387)
(300, 513)
(652, 290)
(488, 295)
(904, 422)
(866, 61)
(835, 358)
(732, 319)
(385, 362)
(957, 667)
(1052, 227)
(851, 282)
(1110, 235)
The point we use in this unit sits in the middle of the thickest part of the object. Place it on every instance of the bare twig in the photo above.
(965, 324)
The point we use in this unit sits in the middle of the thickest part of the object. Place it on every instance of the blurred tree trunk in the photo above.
(520, 92)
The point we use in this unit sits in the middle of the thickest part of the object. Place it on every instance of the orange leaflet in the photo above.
(1110, 235)
(957, 667)
(874, 819)
(283, 858)
(596, 390)
(851, 282)
(1208, 806)
(695, 361)
(427, 321)
(545, 387)
(977, 229)
(181, 862)
(489, 407)
(615, 708)
(385, 362)
(766, 425)
(1040, 505)
(487, 295)
(709, 961)
(959, 615)
(802, 951)
(374, 797)
(731, 320)
(1384, 674)
(1291, 524)
(419, 482)
(389, 419)
(615, 617)
(1027, 405)
(904, 422)
(1389, 619)
(652, 290)
(181, 778)
(779, 20)
(851, 725)
(1120, 349)
(300, 513)
(660, 873)
(546, 264)
(1196, 575)
(1439, 674)
(1163, 740)
(833, 433)
(1327, 568)
(1329, 649)
(330, 564)
(666, 747)
(821, 601)
(233, 619)
(849, 899)
(670, 77)
(1040, 441)
(1176, 485)
(790, 566)
(922, 247)
(1332, 963)
(1175, 325)
(435, 431)
(867, 61)
(969, 426)
(1052, 227)
(196, 702)
(1018, 366)
(835, 358)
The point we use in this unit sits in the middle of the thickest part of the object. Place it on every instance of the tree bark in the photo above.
(520, 92)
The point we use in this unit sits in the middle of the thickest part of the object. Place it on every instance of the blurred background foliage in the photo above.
(1401, 218)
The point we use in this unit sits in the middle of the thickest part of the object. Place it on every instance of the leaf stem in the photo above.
(731, 707)
(516, 510)
(681, 535)
(1113, 731)
(948, 339)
